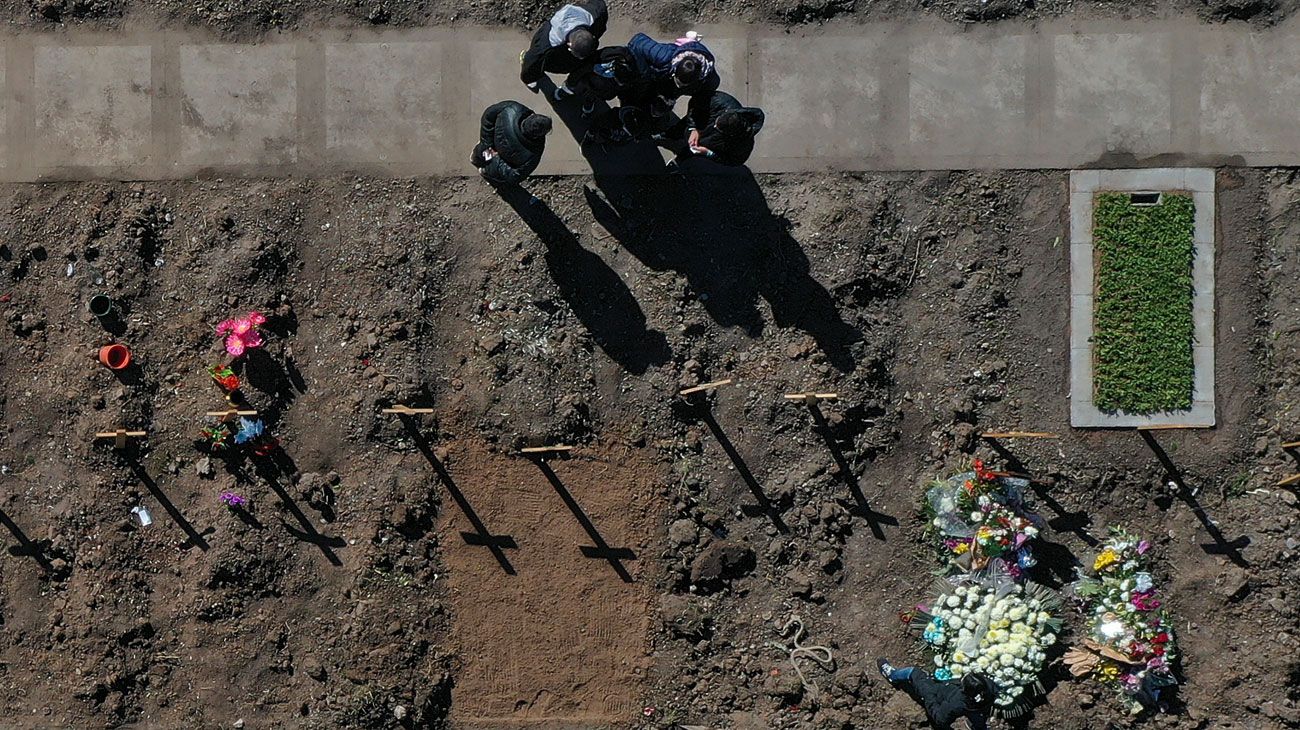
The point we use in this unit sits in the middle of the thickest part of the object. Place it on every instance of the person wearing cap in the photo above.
(945, 701)
(564, 43)
(512, 138)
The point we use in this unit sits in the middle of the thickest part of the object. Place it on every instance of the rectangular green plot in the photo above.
(1142, 326)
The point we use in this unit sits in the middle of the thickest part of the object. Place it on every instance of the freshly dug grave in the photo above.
(934, 304)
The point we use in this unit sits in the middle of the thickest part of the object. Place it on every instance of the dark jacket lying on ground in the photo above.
(548, 52)
(944, 702)
(656, 61)
(517, 155)
(726, 149)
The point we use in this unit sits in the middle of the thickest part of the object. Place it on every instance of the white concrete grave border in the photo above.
(1084, 185)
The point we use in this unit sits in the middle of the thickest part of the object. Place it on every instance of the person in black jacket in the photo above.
(718, 127)
(602, 78)
(511, 140)
(945, 701)
(564, 42)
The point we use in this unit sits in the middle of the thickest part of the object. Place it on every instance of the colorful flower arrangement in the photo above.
(216, 437)
(242, 334)
(224, 377)
(1130, 640)
(234, 501)
(979, 516)
(253, 434)
(992, 625)
(250, 433)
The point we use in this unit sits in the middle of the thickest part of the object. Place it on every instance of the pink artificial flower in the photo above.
(235, 345)
(242, 326)
(253, 339)
(1145, 602)
(1143, 546)
(225, 327)
(257, 318)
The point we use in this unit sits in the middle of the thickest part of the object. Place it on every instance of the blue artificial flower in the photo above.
(942, 674)
(249, 430)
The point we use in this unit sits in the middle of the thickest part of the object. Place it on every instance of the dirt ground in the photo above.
(415, 572)
(245, 19)
(394, 572)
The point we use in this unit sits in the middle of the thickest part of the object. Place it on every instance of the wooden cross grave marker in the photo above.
(229, 414)
(704, 388)
(542, 452)
(402, 410)
(812, 398)
(120, 436)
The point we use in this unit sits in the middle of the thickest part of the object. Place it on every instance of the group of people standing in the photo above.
(646, 76)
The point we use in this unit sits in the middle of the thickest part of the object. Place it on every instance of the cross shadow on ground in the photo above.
(1076, 523)
(270, 468)
(714, 229)
(700, 407)
(599, 549)
(595, 292)
(861, 507)
(26, 547)
(481, 536)
(194, 536)
(1231, 549)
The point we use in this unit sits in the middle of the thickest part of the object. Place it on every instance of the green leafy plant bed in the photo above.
(1142, 331)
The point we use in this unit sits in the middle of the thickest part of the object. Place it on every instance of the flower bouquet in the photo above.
(1130, 641)
(242, 334)
(977, 517)
(217, 438)
(992, 625)
(253, 434)
(234, 501)
(224, 377)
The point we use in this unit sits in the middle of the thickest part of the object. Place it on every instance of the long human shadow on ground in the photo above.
(1231, 549)
(599, 549)
(481, 536)
(861, 508)
(716, 230)
(595, 292)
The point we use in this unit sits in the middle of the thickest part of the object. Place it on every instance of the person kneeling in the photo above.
(720, 129)
(945, 701)
(511, 140)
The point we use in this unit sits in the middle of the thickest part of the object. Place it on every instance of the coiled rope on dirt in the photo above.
(821, 655)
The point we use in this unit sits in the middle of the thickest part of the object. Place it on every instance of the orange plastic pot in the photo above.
(115, 357)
